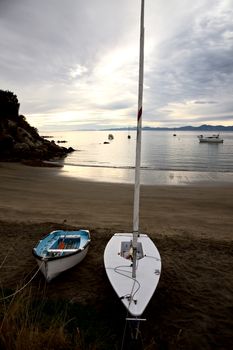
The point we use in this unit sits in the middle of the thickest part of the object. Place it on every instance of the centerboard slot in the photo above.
(127, 250)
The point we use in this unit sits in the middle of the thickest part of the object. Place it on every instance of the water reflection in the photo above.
(148, 177)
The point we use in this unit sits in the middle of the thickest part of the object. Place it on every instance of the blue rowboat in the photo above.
(60, 250)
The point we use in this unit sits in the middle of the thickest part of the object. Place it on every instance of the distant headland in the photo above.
(204, 127)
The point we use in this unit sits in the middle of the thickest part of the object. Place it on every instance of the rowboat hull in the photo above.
(52, 268)
(60, 251)
(134, 293)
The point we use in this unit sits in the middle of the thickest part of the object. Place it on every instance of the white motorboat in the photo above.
(210, 139)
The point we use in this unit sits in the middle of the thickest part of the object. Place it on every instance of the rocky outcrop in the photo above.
(18, 139)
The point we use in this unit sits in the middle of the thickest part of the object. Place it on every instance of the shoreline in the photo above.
(163, 178)
(148, 177)
(31, 194)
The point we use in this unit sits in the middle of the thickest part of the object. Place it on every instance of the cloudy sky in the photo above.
(74, 63)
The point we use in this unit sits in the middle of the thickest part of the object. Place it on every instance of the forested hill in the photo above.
(203, 127)
(18, 139)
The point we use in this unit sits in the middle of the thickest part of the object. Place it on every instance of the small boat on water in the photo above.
(60, 250)
(129, 136)
(210, 139)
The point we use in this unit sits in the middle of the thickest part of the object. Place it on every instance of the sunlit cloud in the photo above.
(78, 70)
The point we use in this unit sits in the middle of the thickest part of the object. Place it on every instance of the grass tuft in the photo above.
(31, 323)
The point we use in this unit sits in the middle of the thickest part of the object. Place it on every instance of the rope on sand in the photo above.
(19, 290)
(2, 263)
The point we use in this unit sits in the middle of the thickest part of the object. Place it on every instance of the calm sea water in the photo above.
(166, 159)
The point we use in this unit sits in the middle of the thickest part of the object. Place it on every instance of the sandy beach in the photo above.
(191, 226)
(33, 194)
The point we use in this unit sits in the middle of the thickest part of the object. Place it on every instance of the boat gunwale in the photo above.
(50, 258)
(79, 250)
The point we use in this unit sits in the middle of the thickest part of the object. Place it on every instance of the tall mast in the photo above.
(138, 144)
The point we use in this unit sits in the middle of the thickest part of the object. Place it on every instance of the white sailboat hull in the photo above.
(135, 293)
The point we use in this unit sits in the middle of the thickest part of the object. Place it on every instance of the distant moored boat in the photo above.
(210, 139)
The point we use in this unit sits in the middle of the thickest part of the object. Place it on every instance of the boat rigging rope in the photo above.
(127, 313)
(152, 257)
(124, 332)
(23, 287)
(130, 296)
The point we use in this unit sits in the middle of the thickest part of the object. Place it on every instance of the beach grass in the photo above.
(30, 320)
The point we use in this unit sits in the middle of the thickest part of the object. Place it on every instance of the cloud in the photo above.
(79, 59)
(204, 102)
(196, 64)
(78, 70)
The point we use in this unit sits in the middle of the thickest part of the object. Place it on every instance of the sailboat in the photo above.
(132, 261)
(129, 136)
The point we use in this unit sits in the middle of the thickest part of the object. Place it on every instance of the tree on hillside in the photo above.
(8, 97)
(9, 104)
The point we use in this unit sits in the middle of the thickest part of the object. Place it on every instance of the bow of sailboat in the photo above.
(135, 293)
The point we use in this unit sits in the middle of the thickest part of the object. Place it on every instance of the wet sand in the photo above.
(191, 226)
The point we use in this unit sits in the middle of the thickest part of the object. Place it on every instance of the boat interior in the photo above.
(62, 246)
(57, 244)
(64, 242)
